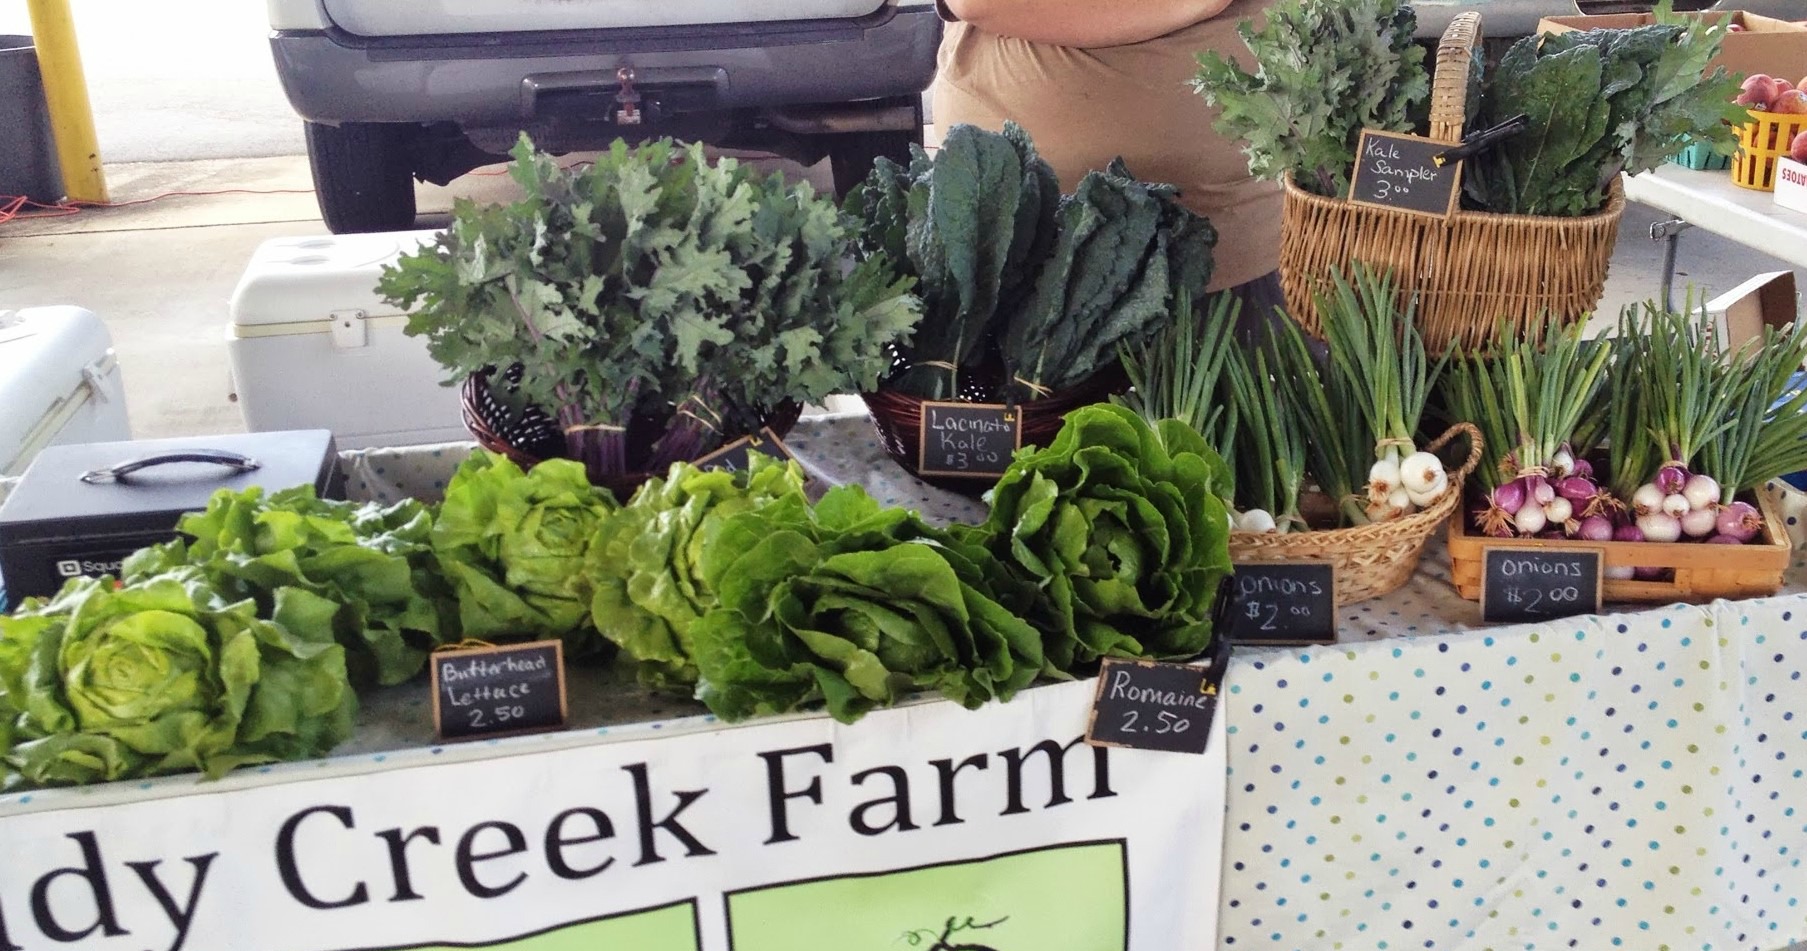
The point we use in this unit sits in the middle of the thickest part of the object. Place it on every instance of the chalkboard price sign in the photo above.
(968, 439)
(737, 455)
(1146, 705)
(498, 691)
(1537, 584)
(1398, 171)
(1284, 603)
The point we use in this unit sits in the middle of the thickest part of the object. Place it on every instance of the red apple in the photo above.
(1793, 102)
(1759, 91)
(1782, 85)
(1797, 149)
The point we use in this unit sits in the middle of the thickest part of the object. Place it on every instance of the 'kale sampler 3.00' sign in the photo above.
(498, 691)
(1537, 584)
(1401, 172)
(968, 439)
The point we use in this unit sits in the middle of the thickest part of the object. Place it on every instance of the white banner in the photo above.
(926, 827)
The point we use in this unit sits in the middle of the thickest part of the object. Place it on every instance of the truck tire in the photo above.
(363, 176)
(850, 155)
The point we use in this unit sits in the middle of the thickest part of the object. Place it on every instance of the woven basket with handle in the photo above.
(1369, 560)
(533, 436)
(1473, 271)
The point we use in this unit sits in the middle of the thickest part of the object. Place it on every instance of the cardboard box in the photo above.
(1766, 45)
(1741, 313)
(1791, 185)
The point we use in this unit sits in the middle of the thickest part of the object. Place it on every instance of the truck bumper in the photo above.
(500, 81)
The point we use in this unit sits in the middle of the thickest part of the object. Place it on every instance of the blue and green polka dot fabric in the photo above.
(1629, 781)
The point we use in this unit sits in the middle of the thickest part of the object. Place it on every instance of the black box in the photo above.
(66, 519)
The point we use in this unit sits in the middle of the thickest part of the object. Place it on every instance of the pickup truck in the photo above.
(397, 90)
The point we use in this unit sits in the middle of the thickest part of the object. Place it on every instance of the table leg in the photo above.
(1668, 232)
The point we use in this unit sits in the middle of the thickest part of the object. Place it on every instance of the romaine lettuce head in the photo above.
(645, 564)
(855, 606)
(513, 545)
(1123, 528)
(162, 675)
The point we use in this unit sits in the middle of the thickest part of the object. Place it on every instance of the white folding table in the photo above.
(1710, 201)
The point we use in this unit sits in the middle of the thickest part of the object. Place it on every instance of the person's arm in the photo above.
(1084, 23)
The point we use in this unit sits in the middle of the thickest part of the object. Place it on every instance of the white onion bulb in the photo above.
(1701, 491)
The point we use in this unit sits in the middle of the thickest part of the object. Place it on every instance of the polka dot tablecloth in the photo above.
(1628, 781)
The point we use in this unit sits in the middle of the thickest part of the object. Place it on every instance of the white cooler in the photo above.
(312, 346)
(59, 384)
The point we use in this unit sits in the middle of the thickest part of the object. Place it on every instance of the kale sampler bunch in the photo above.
(1599, 102)
(656, 304)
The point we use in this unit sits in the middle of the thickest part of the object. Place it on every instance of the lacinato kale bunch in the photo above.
(1025, 292)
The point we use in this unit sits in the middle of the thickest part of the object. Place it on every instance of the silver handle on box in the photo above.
(120, 473)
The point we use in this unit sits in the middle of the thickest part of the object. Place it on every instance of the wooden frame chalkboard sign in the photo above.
(1394, 170)
(967, 440)
(495, 691)
(1149, 705)
(1283, 603)
(1540, 584)
(735, 456)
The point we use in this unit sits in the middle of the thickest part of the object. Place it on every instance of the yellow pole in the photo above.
(66, 92)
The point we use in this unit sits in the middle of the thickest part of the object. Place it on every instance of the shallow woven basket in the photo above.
(1471, 271)
(535, 437)
(1369, 560)
(898, 419)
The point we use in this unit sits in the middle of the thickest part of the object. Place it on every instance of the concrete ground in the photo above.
(160, 273)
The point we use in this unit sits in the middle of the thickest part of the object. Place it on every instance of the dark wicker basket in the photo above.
(533, 436)
(898, 419)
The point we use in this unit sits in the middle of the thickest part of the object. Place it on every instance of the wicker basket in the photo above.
(1369, 560)
(1761, 142)
(1470, 271)
(898, 419)
(534, 436)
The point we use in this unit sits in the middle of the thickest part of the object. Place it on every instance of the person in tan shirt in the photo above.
(1092, 80)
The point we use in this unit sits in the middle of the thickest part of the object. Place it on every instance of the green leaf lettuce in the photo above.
(645, 565)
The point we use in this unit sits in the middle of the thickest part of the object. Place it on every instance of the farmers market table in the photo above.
(1630, 780)
(1709, 200)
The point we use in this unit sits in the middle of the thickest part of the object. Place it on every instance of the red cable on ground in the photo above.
(12, 207)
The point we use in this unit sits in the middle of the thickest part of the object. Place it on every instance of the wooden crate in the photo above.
(1702, 572)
